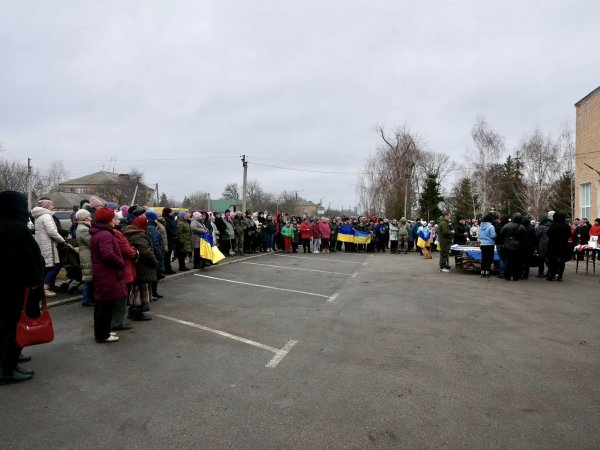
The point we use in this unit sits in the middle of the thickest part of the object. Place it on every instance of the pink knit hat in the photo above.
(95, 202)
(44, 204)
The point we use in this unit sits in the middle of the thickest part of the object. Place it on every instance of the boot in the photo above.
(139, 316)
(48, 292)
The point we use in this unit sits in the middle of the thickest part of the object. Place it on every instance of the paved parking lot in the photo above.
(324, 351)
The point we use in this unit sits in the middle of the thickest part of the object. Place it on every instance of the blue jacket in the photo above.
(487, 234)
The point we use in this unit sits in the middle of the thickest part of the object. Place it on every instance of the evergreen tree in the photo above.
(464, 201)
(164, 201)
(563, 194)
(510, 185)
(431, 198)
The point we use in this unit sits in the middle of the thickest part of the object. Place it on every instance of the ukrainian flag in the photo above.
(362, 237)
(208, 249)
(346, 233)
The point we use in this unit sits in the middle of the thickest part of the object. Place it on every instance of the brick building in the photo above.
(587, 151)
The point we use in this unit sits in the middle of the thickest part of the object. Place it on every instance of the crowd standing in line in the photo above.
(122, 252)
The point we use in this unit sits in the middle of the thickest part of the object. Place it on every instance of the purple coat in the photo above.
(108, 272)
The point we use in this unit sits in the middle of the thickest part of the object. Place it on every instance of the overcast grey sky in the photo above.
(304, 81)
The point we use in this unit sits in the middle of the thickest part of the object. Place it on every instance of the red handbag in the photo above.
(34, 331)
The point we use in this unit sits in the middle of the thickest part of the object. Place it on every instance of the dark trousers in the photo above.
(168, 268)
(393, 246)
(556, 266)
(333, 243)
(181, 259)
(381, 245)
(487, 257)
(514, 265)
(411, 246)
(103, 312)
(306, 245)
(9, 317)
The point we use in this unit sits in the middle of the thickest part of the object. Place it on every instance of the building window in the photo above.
(585, 199)
(80, 190)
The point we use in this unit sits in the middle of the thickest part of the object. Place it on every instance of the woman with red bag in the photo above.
(23, 270)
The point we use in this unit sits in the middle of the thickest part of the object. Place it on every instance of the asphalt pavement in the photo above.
(315, 351)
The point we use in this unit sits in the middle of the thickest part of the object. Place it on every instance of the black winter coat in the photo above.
(146, 264)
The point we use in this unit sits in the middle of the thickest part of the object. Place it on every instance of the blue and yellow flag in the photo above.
(208, 249)
(345, 233)
(362, 237)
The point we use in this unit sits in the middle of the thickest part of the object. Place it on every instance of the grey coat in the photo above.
(85, 256)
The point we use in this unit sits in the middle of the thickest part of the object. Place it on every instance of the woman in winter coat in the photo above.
(487, 237)
(287, 232)
(159, 250)
(171, 229)
(513, 235)
(305, 234)
(541, 244)
(198, 228)
(108, 271)
(140, 292)
(394, 236)
(48, 238)
(130, 256)
(82, 233)
(382, 235)
(184, 240)
(325, 234)
(21, 267)
(559, 250)
(316, 229)
(270, 228)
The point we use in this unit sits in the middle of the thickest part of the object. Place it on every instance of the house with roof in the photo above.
(587, 156)
(110, 186)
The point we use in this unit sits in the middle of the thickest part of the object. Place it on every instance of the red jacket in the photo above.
(107, 264)
(305, 230)
(130, 255)
(324, 230)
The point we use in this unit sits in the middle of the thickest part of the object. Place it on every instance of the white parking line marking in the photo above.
(297, 268)
(219, 332)
(262, 286)
(355, 274)
(279, 352)
(317, 258)
(365, 263)
(333, 297)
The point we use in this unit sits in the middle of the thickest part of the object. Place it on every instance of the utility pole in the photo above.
(208, 200)
(137, 183)
(157, 196)
(245, 165)
(29, 183)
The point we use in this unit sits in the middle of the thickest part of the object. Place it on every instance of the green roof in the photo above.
(222, 204)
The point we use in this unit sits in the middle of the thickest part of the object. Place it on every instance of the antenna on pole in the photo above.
(245, 166)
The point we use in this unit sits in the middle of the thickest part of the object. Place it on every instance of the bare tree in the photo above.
(389, 175)
(197, 200)
(566, 141)
(540, 158)
(258, 198)
(231, 191)
(56, 174)
(489, 148)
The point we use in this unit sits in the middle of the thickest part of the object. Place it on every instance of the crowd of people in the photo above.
(124, 251)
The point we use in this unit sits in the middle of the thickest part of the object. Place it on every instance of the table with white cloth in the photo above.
(467, 257)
